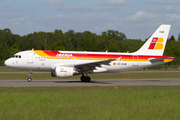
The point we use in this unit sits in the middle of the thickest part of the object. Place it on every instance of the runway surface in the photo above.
(120, 82)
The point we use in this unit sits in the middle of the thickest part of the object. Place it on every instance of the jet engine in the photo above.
(63, 72)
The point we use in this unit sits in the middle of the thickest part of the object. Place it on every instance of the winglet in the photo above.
(118, 59)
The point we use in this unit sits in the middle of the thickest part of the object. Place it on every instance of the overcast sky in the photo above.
(136, 18)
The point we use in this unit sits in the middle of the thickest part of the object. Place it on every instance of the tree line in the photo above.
(113, 41)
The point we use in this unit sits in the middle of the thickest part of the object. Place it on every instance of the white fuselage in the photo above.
(29, 60)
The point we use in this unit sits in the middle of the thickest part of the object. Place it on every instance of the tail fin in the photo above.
(155, 45)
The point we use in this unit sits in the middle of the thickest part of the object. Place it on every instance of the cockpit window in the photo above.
(16, 56)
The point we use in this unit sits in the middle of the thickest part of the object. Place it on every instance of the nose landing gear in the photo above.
(29, 78)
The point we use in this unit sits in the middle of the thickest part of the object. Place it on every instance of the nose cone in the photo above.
(7, 62)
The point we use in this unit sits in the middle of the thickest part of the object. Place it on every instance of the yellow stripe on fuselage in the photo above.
(40, 53)
(143, 60)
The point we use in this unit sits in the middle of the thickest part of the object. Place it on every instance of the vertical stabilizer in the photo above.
(155, 45)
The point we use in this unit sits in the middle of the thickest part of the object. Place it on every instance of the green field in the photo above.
(101, 76)
(90, 103)
(12, 74)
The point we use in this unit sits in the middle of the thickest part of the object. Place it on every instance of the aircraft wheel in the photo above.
(29, 79)
(83, 78)
(88, 79)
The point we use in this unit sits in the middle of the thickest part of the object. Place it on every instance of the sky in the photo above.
(137, 19)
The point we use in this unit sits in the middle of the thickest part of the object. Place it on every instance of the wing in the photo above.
(92, 65)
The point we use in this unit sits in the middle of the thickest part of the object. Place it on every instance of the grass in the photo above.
(90, 103)
(132, 75)
(13, 74)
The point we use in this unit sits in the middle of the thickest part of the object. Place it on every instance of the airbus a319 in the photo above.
(68, 63)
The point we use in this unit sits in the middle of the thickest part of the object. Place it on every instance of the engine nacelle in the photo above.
(63, 72)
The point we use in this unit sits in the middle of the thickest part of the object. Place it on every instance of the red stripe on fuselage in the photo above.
(99, 55)
(51, 53)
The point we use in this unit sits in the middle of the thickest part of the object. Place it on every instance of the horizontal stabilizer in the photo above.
(154, 60)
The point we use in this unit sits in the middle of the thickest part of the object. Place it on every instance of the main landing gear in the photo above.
(85, 78)
(29, 78)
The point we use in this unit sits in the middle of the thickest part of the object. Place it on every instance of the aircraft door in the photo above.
(135, 60)
(30, 57)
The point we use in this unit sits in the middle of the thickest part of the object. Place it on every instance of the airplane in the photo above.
(64, 64)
